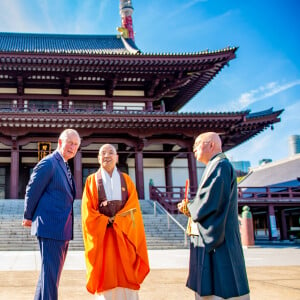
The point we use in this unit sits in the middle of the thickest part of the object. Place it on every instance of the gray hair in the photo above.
(68, 132)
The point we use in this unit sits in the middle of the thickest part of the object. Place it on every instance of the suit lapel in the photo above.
(64, 168)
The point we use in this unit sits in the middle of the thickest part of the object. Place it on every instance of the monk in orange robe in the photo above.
(113, 232)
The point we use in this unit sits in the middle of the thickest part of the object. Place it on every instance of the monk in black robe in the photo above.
(217, 266)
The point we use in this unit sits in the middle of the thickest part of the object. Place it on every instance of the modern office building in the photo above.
(241, 166)
(294, 142)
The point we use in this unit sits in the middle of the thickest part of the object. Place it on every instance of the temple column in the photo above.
(192, 167)
(122, 161)
(109, 105)
(78, 174)
(14, 170)
(149, 106)
(168, 174)
(19, 104)
(65, 104)
(139, 172)
(168, 171)
(283, 227)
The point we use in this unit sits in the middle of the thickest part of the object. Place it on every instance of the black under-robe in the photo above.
(217, 265)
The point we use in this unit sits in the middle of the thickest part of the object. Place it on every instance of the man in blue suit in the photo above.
(48, 210)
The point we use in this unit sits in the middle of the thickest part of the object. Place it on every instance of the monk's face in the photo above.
(203, 149)
(108, 158)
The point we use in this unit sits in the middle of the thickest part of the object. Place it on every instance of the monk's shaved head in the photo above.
(206, 146)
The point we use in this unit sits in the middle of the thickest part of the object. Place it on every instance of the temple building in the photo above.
(110, 91)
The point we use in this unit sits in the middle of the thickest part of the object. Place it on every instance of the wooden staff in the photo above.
(186, 192)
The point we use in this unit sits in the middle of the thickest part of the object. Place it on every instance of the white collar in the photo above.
(112, 185)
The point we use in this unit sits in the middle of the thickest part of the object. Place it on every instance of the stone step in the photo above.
(159, 234)
(30, 243)
(15, 207)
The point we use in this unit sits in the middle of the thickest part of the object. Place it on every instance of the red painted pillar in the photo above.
(139, 174)
(247, 233)
(78, 174)
(149, 106)
(168, 175)
(283, 227)
(192, 166)
(14, 172)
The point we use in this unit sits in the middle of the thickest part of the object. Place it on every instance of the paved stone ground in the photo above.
(273, 272)
(266, 283)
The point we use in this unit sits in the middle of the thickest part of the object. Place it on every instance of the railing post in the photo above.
(154, 208)
(268, 192)
(181, 192)
(240, 193)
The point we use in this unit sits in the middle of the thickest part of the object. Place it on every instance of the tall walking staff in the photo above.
(186, 192)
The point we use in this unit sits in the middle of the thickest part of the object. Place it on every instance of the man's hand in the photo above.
(26, 223)
(111, 219)
(182, 207)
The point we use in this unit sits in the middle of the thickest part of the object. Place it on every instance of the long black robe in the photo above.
(217, 265)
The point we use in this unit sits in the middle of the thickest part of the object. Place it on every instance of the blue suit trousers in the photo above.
(53, 255)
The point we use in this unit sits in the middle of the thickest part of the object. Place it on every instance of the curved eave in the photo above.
(267, 114)
(172, 78)
(200, 79)
(130, 46)
(199, 53)
(234, 128)
(140, 58)
(129, 120)
(252, 126)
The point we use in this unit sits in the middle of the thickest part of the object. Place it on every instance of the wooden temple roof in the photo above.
(111, 63)
(234, 128)
(106, 62)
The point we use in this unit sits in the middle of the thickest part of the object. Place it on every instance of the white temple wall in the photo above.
(154, 169)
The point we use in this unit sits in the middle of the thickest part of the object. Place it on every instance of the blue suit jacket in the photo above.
(49, 199)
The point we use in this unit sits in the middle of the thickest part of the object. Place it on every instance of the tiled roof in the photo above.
(65, 43)
(260, 113)
(280, 173)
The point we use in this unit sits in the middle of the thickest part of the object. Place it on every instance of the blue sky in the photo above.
(265, 73)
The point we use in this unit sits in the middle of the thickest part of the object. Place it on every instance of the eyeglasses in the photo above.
(196, 145)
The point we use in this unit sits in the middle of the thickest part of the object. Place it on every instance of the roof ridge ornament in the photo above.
(126, 10)
(131, 49)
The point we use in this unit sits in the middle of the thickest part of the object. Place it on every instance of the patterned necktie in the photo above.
(69, 174)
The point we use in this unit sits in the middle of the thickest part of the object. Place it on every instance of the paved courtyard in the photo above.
(273, 272)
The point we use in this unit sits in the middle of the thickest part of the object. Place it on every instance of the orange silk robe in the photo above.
(115, 256)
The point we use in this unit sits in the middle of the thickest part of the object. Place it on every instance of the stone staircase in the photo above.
(161, 231)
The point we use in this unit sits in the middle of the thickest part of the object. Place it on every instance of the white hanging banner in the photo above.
(273, 226)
